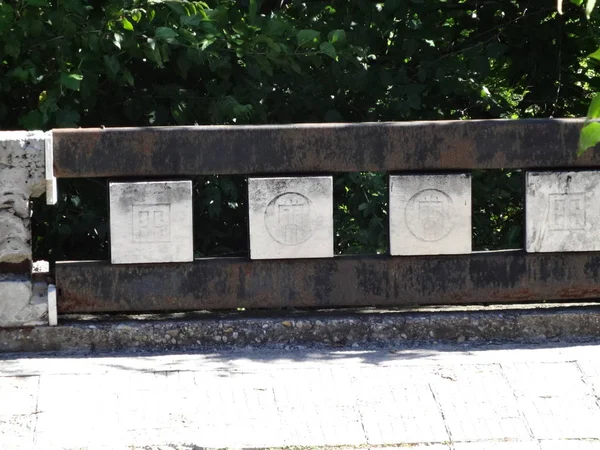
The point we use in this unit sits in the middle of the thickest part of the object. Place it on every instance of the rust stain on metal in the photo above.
(514, 295)
(495, 277)
(147, 142)
(579, 292)
(460, 150)
(438, 145)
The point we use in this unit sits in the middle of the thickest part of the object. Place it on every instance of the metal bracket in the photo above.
(51, 189)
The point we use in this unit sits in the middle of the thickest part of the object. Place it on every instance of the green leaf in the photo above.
(252, 11)
(20, 74)
(337, 37)
(67, 118)
(328, 49)
(207, 43)
(128, 77)
(576, 2)
(6, 16)
(127, 25)
(595, 55)
(295, 66)
(112, 66)
(594, 108)
(166, 34)
(589, 7)
(33, 120)
(117, 39)
(184, 63)
(71, 80)
(307, 36)
(190, 21)
(589, 137)
(136, 15)
(12, 48)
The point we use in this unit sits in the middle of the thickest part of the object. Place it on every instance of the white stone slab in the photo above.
(562, 211)
(430, 214)
(51, 189)
(151, 222)
(291, 217)
(52, 310)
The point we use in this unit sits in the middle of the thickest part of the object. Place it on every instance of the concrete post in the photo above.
(22, 176)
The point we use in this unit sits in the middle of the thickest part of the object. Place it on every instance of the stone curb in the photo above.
(354, 328)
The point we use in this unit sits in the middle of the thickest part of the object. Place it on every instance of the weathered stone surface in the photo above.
(197, 331)
(430, 214)
(18, 305)
(151, 222)
(23, 153)
(562, 211)
(21, 177)
(291, 217)
(15, 238)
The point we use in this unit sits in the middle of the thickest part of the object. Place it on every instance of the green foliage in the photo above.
(78, 227)
(497, 209)
(88, 63)
(360, 214)
(590, 133)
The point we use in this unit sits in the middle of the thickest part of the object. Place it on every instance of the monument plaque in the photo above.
(430, 214)
(151, 222)
(291, 217)
(561, 210)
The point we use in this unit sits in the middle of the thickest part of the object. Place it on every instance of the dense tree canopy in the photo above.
(153, 62)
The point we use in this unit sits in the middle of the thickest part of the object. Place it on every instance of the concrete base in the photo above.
(21, 302)
(350, 328)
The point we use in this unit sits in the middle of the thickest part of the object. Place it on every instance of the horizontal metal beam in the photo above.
(491, 277)
(398, 146)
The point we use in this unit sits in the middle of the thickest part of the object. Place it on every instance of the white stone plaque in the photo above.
(430, 214)
(291, 217)
(562, 212)
(151, 222)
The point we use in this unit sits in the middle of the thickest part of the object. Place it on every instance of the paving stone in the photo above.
(562, 417)
(17, 431)
(496, 445)
(397, 407)
(478, 404)
(546, 379)
(566, 444)
(549, 403)
(18, 395)
(421, 398)
(418, 447)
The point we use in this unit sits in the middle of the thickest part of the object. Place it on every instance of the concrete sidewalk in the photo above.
(458, 397)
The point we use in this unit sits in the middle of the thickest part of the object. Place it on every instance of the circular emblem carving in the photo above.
(288, 218)
(428, 216)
